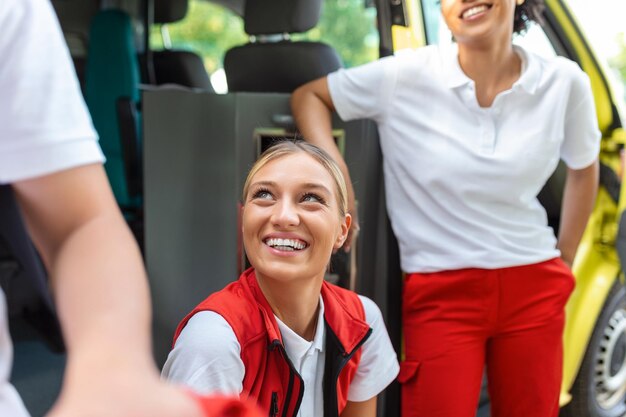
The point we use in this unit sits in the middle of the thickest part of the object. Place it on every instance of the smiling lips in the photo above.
(473, 11)
(288, 245)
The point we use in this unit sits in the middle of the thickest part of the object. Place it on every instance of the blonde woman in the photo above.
(281, 334)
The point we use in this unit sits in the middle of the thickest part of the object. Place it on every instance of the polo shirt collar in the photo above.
(320, 332)
(531, 71)
(295, 345)
(454, 76)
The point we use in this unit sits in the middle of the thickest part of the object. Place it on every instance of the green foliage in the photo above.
(350, 28)
(210, 30)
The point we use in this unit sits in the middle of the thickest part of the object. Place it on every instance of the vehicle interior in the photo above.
(178, 151)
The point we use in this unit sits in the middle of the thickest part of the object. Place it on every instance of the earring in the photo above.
(520, 2)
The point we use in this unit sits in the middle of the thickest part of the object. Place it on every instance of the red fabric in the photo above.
(214, 406)
(510, 319)
(244, 307)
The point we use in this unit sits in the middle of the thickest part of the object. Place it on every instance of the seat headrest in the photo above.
(168, 11)
(278, 67)
(262, 17)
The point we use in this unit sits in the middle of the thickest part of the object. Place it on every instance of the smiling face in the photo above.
(292, 219)
(477, 21)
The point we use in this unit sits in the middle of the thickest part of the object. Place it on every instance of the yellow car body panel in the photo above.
(412, 36)
(596, 268)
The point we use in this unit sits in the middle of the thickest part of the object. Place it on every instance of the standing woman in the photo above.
(470, 134)
(280, 334)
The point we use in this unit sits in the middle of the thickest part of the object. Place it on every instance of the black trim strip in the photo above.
(293, 374)
(610, 181)
(274, 405)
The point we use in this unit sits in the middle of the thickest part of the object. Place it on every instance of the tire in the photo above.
(600, 388)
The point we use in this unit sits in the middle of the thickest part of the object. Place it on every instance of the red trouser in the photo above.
(510, 319)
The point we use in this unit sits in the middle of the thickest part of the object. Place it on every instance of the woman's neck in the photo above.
(295, 303)
(494, 68)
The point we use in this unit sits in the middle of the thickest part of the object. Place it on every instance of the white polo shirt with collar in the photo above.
(462, 180)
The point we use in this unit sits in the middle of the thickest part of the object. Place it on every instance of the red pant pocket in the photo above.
(408, 371)
(408, 387)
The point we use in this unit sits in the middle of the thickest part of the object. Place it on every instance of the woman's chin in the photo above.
(285, 272)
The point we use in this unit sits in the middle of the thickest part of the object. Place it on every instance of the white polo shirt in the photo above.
(461, 180)
(206, 357)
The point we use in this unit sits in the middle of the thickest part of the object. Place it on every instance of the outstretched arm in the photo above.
(312, 109)
(102, 297)
(579, 197)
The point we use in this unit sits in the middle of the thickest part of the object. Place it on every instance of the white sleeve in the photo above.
(206, 357)
(363, 91)
(379, 362)
(581, 140)
(44, 123)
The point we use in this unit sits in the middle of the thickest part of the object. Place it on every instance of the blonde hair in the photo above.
(289, 147)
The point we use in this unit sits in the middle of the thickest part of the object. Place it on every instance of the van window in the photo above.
(349, 26)
(603, 22)
(536, 40)
(210, 30)
(433, 22)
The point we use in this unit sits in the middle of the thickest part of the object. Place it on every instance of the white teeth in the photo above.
(474, 11)
(285, 244)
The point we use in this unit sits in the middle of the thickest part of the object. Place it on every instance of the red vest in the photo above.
(270, 377)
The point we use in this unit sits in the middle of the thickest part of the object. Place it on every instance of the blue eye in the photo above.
(262, 194)
(313, 198)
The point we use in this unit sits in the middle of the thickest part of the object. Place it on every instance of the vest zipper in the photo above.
(274, 405)
(349, 355)
(293, 375)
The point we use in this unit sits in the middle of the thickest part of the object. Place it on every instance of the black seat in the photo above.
(23, 277)
(180, 67)
(271, 62)
(551, 196)
(172, 66)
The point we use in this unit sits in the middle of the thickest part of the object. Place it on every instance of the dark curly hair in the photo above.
(529, 11)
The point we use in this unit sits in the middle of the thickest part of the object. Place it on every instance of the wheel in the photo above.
(600, 388)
